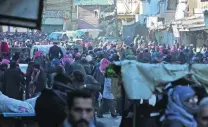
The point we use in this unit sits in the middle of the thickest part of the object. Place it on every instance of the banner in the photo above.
(175, 31)
(93, 2)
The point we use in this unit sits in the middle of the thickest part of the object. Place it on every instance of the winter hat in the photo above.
(55, 61)
(89, 58)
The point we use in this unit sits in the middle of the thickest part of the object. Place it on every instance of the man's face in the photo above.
(81, 112)
(202, 117)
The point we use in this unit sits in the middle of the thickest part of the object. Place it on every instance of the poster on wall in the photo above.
(93, 2)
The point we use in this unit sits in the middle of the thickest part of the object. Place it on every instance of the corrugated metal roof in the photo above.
(197, 28)
(93, 2)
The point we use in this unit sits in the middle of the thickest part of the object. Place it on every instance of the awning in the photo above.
(197, 28)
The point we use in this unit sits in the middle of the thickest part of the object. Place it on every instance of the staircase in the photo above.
(86, 17)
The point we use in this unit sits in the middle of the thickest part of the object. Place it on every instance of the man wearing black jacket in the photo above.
(55, 52)
(50, 106)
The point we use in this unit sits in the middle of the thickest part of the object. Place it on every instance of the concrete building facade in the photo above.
(59, 15)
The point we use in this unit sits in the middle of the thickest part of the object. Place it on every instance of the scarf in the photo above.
(103, 64)
(175, 110)
(34, 77)
(38, 54)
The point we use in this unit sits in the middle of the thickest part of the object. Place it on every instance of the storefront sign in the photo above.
(56, 14)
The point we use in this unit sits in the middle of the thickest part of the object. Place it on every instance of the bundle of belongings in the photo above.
(10, 105)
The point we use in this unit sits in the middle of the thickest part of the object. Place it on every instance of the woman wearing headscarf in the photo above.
(182, 105)
(99, 72)
(4, 49)
(108, 97)
(67, 61)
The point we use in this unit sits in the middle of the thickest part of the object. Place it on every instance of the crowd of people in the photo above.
(21, 39)
(78, 81)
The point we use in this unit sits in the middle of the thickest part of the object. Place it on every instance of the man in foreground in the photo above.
(80, 110)
(202, 115)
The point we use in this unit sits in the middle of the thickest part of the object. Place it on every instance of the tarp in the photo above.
(11, 105)
(141, 79)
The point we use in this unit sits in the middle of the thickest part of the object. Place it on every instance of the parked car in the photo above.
(57, 36)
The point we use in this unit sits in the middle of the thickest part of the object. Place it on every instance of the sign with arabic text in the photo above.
(56, 14)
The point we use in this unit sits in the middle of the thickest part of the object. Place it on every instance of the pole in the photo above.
(71, 15)
(116, 18)
(134, 115)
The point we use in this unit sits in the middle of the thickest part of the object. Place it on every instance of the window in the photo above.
(172, 4)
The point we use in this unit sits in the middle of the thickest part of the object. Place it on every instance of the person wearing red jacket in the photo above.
(4, 49)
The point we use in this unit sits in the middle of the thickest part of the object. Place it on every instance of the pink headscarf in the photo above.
(173, 49)
(5, 61)
(38, 53)
(161, 49)
(89, 44)
(103, 64)
(67, 59)
(78, 55)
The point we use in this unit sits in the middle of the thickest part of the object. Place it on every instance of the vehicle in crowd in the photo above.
(73, 34)
(94, 33)
(44, 49)
(109, 39)
(76, 44)
(57, 36)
